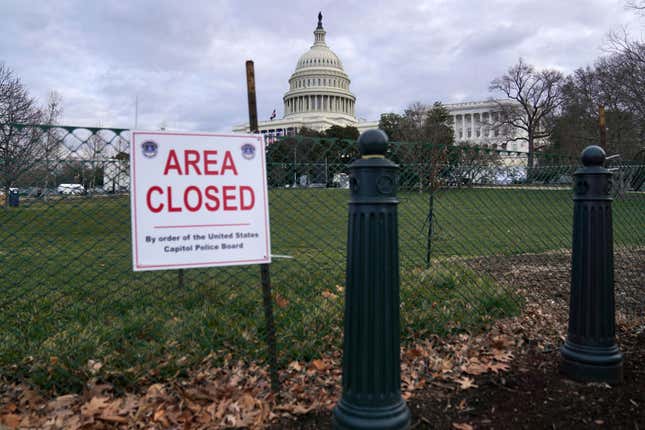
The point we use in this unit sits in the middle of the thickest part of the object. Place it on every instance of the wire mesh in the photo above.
(474, 226)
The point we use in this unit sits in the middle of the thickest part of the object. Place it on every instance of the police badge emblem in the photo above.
(248, 151)
(149, 148)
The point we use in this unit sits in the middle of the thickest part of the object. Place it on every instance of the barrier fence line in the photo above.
(476, 228)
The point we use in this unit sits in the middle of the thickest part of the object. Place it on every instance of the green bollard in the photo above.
(371, 347)
(590, 352)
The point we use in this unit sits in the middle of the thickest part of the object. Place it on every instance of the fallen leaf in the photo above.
(496, 367)
(113, 419)
(94, 366)
(160, 417)
(413, 353)
(94, 406)
(466, 383)
(328, 294)
(475, 368)
(10, 420)
(62, 402)
(446, 365)
(130, 403)
(295, 366)
(247, 401)
(155, 390)
(502, 342)
(504, 356)
(462, 405)
(281, 301)
(31, 398)
(9, 408)
(319, 364)
(221, 409)
(462, 426)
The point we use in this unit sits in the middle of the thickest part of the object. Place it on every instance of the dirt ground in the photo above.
(506, 377)
(532, 394)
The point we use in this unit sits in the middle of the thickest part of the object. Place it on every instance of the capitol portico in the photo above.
(319, 97)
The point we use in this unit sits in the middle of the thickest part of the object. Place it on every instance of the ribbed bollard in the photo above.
(590, 352)
(371, 361)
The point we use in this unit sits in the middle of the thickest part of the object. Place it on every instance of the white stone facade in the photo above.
(473, 123)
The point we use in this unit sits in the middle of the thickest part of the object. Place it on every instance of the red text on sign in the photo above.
(194, 198)
(204, 162)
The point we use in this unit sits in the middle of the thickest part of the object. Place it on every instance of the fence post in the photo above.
(371, 352)
(590, 352)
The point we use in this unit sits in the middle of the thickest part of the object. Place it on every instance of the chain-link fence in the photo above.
(476, 228)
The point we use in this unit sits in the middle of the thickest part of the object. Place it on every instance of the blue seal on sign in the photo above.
(248, 151)
(149, 148)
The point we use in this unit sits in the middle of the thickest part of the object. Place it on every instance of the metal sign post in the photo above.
(265, 273)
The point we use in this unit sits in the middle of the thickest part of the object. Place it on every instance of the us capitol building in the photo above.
(319, 97)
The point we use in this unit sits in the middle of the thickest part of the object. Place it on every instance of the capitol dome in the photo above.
(319, 55)
(319, 85)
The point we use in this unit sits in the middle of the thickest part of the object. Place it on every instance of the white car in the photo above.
(71, 189)
(11, 190)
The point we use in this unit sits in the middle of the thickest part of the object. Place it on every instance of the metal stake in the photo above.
(265, 273)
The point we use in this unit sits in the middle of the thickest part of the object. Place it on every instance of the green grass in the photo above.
(70, 296)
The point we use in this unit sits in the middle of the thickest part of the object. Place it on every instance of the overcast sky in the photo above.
(184, 60)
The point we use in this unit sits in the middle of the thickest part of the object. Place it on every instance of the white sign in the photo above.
(198, 200)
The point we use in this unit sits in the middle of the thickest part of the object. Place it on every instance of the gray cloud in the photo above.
(185, 61)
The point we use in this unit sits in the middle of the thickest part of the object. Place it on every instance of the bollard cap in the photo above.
(593, 156)
(372, 143)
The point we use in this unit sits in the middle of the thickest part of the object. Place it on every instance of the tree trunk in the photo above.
(531, 154)
(6, 189)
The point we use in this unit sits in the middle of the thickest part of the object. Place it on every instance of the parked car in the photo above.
(31, 191)
(11, 190)
(71, 189)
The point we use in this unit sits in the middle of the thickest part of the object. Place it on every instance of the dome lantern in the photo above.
(319, 32)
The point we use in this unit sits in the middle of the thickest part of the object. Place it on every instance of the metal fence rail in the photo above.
(474, 225)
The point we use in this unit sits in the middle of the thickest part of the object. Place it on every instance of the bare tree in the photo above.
(20, 147)
(538, 97)
(94, 152)
(623, 71)
(426, 134)
(637, 5)
(52, 140)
